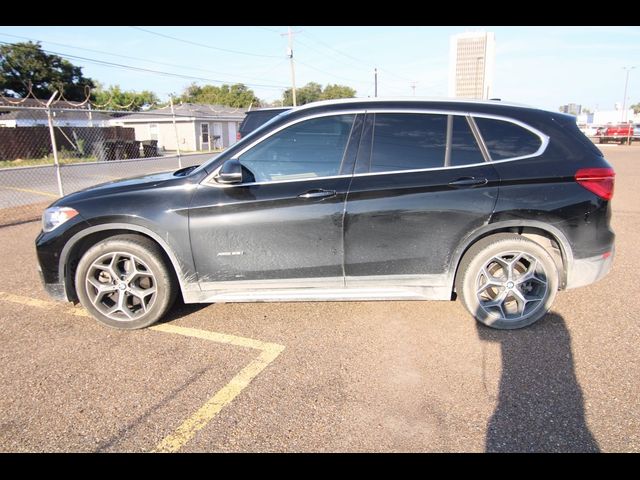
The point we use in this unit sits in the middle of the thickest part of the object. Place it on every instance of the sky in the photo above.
(540, 66)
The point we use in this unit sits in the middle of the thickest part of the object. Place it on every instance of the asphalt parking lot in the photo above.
(22, 186)
(354, 376)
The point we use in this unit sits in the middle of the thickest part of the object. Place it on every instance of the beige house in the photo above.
(198, 127)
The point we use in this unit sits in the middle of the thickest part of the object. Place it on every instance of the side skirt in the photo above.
(319, 294)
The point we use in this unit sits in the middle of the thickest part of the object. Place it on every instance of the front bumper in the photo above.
(55, 290)
(586, 271)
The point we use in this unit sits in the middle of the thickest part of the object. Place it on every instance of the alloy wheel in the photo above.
(511, 286)
(121, 286)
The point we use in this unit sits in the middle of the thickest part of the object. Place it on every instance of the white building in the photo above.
(197, 127)
(605, 117)
(471, 65)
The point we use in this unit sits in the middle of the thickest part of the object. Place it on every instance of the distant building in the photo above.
(604, 117)
(471, 64)
(571, 109)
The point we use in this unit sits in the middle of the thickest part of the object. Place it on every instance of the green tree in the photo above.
(236, 95)
(312, 92)
(25, 63)
(636, 108)
(114, 97)
(331, 92)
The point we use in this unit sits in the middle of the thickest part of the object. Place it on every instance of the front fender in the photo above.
(180, 257)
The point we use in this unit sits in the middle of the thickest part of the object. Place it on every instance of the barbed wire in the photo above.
(110, 101)
(29, 95)
(235, 110)
(109, 104)
(87, 90)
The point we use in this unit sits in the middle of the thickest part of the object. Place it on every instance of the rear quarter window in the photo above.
(507, 140)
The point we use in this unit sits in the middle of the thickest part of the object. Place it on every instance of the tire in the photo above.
(143, 292)
(507, 281)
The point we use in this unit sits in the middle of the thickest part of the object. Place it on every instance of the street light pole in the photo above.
(624, 103)
(624, 99)
(375, 82)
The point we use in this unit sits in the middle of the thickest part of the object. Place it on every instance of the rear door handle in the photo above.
(318, 193)
(469, 182)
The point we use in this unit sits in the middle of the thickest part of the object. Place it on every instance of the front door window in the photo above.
(305, 150)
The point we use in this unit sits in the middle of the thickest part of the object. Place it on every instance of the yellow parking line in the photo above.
(196, 422)
(31, 302)
(34, 302)
(28, 190)
(188, 429)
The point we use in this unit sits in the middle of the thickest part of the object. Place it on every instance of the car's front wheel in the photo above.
(124, 282)
(507, 281)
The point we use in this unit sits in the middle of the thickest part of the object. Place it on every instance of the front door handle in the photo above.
(318, 193)
(469, 182)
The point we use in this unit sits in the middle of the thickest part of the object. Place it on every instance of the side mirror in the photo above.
(230, 172)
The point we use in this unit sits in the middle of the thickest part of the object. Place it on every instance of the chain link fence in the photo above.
(50, 151)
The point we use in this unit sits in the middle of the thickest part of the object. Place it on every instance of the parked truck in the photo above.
(616, 133)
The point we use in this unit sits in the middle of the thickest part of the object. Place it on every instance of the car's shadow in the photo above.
(180, 310)
(540, 404)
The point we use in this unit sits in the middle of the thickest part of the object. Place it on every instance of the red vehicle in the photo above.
(616, 133)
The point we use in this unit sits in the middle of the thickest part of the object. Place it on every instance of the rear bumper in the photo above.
(586, 271)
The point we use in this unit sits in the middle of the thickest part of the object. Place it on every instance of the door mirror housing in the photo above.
(230, 172)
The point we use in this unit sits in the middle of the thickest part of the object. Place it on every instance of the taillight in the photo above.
(597, 180)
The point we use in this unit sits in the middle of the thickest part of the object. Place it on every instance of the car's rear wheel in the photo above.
(124, 282)
(507, 281)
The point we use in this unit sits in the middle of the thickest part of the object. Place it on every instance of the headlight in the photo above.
(55, 216)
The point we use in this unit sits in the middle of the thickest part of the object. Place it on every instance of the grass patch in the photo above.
(32, 162)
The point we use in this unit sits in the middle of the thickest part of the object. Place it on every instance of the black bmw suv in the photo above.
(497, 204)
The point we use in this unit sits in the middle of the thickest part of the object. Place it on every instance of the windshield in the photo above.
(243, 142)
(256, 118)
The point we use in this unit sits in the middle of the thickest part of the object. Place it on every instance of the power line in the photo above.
(345, 62)
(128, 56)
(269, 29)
(326, 45)
(333, 57)
(331, 74)
(148, 70)
(238, 52)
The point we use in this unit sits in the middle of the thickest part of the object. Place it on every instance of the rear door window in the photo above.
(408, 141)
(507, 140)
(464, 147)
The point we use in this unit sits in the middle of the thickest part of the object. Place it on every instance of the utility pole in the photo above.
(175, 129)
(375, 81)
(624, 99)
(413, 87)
(54, 145)
(290, 34)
